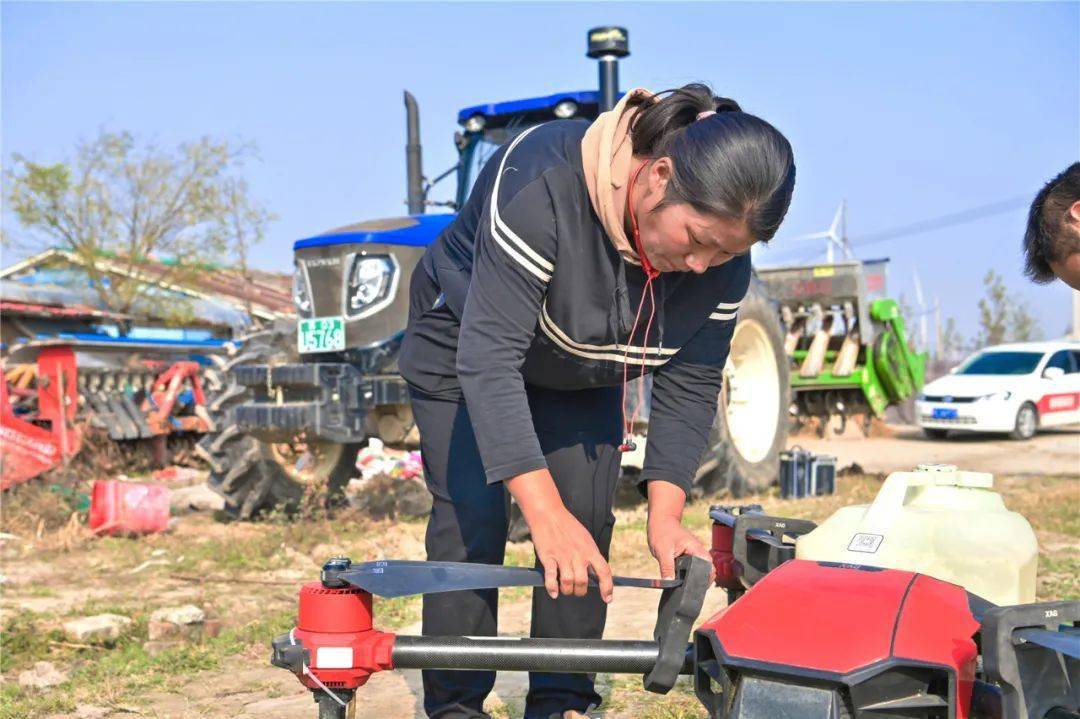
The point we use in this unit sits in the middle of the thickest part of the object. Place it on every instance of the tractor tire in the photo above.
(265, 478)
(751, 426)
(253, 476)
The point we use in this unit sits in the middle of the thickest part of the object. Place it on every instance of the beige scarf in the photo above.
(606, 154)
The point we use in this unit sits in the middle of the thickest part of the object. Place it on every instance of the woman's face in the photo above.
(678, 238)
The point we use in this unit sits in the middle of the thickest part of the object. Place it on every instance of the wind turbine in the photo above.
(922, 308)
(937, 327)
(835, 236)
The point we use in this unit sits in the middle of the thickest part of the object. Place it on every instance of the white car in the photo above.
(1014, 388)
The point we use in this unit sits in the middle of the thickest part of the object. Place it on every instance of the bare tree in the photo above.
(246, 223)
(1023, 325)
(140, 219)
(993, 311)
(953, 344)
(1004, 317)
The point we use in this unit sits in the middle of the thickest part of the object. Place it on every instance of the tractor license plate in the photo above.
(943, 413)
(320, 334)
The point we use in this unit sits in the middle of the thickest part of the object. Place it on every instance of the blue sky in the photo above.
(908, 110)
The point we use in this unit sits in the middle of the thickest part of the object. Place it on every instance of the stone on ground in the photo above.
(100, 627)
(175, 623)
(187, 614)
(42, 676)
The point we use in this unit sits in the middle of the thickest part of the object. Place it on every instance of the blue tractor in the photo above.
(303, 399)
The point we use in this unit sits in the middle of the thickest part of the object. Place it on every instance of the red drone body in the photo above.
(840, 628)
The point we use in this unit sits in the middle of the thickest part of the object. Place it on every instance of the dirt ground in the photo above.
(1055, 451)
(248, 574)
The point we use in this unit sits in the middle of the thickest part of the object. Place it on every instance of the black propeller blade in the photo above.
(399, 577)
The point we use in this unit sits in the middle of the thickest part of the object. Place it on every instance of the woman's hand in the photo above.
(566, 550)
(668, 539)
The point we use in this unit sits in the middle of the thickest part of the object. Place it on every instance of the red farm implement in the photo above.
(55, 389)
(34, 442)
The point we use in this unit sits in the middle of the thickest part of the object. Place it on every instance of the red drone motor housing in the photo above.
(334, 626)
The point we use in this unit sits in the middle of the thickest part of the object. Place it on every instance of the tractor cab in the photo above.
(485, 128)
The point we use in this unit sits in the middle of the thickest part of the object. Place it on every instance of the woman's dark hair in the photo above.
(731, 164)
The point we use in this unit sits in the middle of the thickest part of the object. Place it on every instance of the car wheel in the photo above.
(935, 433)
(1027, 421)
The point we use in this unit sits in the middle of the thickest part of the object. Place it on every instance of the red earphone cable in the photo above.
(651, 273)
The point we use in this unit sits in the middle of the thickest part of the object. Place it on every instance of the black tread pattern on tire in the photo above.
(235, 457)
(732, 472)
(243, 469)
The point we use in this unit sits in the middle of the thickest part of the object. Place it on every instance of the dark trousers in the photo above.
(579, 433)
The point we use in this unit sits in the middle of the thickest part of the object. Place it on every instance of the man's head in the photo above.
(1052, 240)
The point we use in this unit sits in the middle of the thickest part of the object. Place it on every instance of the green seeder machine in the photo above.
(846, 343)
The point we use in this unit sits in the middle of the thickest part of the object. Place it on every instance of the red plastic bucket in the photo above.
(128, 508)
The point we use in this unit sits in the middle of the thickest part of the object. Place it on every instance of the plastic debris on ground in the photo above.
(118, 507)
(377, 459)
(177, 475)
(390, 483)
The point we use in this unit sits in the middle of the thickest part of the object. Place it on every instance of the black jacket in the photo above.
(533, 291)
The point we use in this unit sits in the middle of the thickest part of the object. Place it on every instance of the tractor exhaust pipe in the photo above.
(607, 45)
(414, 173)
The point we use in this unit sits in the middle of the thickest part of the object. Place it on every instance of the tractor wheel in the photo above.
(751, 425)
(255, 476)
(277, 476)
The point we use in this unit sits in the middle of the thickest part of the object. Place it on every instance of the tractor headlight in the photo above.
(565, 109)
(475, 123)
(301, 294)
(371, 284)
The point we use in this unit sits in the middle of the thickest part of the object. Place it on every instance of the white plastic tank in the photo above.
(937, 521)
